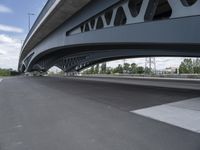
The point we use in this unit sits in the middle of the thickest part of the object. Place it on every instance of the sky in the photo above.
(14, 28)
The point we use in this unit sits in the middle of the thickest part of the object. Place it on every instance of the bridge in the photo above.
(103, 112)
(73, 35)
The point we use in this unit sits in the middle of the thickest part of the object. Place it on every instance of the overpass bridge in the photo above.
(73, 35)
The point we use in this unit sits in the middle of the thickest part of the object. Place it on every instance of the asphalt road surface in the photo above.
(49, 113)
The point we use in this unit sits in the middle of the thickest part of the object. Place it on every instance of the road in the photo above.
(51, 113)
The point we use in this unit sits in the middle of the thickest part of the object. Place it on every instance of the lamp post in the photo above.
(29, 20)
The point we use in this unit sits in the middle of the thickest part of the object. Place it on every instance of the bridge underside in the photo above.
(126, 29)
(78, 58)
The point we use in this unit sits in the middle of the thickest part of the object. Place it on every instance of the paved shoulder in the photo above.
(184, 114)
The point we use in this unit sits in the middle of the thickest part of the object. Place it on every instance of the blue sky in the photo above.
(18, 13)
(14, 28)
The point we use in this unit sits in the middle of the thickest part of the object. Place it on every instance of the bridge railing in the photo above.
(39, 18)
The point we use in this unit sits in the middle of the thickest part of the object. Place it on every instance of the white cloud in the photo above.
(7, 28)
(9, 51)
(4, 9)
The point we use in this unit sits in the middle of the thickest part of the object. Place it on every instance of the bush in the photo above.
(4, 72)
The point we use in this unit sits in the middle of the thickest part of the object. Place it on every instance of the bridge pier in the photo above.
(69, 74)
(35, 73)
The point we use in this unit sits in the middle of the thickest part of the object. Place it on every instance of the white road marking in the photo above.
(183, 114)
(1, 80)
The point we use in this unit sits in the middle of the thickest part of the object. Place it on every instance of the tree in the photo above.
(133, 69)
(96, 70)
(186, 66)
(118, 69)
(140, 70)
(126, 68)
(147, 70)
(5, 72)
(196, 66)
(92, 70)
(109, 70)
(103, 68)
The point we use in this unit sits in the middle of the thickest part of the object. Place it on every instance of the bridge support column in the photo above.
(74, 73)
(36, 73)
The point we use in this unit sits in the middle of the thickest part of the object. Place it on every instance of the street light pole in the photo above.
(29, 20)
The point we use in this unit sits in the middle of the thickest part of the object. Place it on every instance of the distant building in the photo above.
(171, 70)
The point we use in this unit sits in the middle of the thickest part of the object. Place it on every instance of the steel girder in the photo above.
(120, 29)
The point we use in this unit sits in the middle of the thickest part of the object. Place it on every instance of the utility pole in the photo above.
(150, 63)
(29, 20)
(124, 61)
